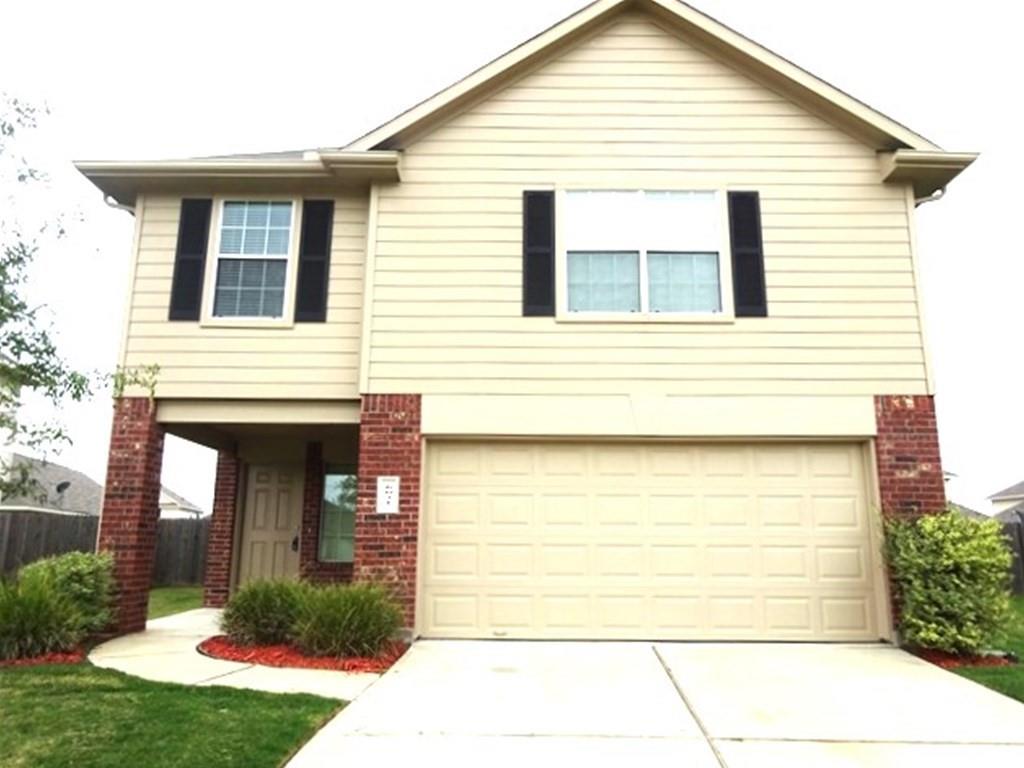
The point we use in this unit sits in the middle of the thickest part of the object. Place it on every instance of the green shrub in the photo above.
(262, 612)
(86, 579)
(36, 617)
(952, 578)
(355, 620)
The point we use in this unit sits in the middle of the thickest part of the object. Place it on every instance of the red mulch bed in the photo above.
(953, 661)
(220, 647)
(74, 657)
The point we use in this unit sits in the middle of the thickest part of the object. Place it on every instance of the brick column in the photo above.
(131, 507)
(220, 545)
(385, 545)
(910, 475)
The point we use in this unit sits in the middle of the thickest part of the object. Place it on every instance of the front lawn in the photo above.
(163, 601)
(86, 717)
(1008, 680)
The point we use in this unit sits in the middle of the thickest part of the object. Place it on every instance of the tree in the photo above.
(29, 359)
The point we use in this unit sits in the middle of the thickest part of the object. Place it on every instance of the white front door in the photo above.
(270, 523)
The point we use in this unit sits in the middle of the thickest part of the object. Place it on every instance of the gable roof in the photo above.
(1015, 491)
(796, 83)
(171, 500)
(83, 494)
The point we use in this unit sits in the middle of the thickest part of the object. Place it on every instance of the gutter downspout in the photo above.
(934, 197)
(109, 200)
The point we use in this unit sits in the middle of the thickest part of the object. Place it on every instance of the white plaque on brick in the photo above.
(387, 495)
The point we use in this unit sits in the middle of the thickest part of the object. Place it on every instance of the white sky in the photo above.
(130, 80)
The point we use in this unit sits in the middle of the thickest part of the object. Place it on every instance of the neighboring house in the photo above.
(67, 490)
(175, 507)
(617, 337)
(56, 487)
(1008, 498)
(1012, 514)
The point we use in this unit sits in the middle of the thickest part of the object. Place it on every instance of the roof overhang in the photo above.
(124, 180)
(815, 94)
(927, 171)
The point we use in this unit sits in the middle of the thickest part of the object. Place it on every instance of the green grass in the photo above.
(163, 601)
(86, 717)
(1008, 680)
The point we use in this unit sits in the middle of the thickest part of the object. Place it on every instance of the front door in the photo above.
(270, 524)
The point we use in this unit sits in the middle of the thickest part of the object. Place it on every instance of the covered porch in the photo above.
(294, 494)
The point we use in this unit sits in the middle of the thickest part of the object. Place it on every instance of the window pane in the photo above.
(683, 282)
(602, 221)
(680, 221)
(281, 215)
(337, 518)
(255, 242)
(256, 215)
(234, 214)
(231, 240)
(277, 242)
(604, 282)
(249, 288)
(256, 228)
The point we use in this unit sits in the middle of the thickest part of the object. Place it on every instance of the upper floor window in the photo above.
(644, 252)
(254, 244)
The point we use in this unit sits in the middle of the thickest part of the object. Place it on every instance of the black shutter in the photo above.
(747, 255)
(190, 259)
(539, 254)
(314, 261)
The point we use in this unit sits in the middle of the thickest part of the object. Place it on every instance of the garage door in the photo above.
(647, 541)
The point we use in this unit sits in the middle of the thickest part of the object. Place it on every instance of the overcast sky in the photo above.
(142, 81)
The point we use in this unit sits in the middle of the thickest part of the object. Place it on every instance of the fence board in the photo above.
(28, 535)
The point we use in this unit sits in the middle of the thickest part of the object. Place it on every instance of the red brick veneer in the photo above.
(385, 545)
(220, 545)
(131, 507)
(910, 476)
(310, 567)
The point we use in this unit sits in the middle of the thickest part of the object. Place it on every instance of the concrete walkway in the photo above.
(166, 652)
(505, 703)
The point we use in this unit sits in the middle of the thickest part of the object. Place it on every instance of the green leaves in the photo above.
(29, 359)
(952, 577)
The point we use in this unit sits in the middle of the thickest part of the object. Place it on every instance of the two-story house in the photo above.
(618, 337)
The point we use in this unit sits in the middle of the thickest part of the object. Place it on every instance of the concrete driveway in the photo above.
(505, 703)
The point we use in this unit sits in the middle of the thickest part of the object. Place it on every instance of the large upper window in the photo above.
(252, 258)
(338, 517)
(643, 252)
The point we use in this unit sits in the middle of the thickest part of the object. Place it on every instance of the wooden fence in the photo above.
(1015, 537)
(28, 535)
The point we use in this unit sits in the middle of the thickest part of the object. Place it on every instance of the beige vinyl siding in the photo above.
(634, 106)
(305, 361)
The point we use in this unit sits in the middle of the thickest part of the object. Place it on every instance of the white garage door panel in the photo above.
(647, 541)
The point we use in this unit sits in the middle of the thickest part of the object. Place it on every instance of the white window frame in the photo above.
(726, 301)
(287, 319)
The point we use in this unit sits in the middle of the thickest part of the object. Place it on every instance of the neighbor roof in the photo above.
(1013, 492)
(169, 498)
(82, 495)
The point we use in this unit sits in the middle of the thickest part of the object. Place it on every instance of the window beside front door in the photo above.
(338, 517)
(644, 252)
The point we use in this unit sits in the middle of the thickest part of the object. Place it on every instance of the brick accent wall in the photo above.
(389, 444)
(909, 465)
(220, 545)
(131, 507)
(310, 567)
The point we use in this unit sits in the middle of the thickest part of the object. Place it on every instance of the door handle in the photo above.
(295, 543)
